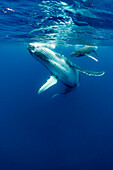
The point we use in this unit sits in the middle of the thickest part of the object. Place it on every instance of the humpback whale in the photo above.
(59, 66)
(85, 51)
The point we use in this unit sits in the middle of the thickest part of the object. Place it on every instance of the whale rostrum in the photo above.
(59, 66)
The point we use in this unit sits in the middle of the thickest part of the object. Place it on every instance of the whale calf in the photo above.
(85, 51)
(60, 67)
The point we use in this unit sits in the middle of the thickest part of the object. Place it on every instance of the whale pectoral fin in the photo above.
(88, 55)
(50, 82)
(88, 72)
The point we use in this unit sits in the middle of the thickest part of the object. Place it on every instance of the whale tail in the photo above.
(67, 90)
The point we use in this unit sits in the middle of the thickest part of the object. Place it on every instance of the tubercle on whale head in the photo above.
(38, 53)
(47, 45)
(30, 48)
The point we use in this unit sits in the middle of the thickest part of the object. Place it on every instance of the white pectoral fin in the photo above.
(88, 72)
(50, 82)
(91, 57)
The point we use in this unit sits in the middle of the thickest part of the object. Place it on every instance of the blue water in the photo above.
(68, 132)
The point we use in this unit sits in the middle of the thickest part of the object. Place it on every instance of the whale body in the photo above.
(85, 51)
(60, 67)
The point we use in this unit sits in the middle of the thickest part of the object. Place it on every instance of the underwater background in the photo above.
(69, 132)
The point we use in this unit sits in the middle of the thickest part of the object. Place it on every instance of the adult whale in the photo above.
(60, 67)
(85, 51)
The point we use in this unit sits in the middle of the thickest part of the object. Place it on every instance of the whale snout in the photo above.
(38, 52)
(31, 48)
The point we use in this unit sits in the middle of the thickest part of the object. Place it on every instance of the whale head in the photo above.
(39, 53)
(62, 68)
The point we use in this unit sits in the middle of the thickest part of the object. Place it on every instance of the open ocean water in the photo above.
(69, 132)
